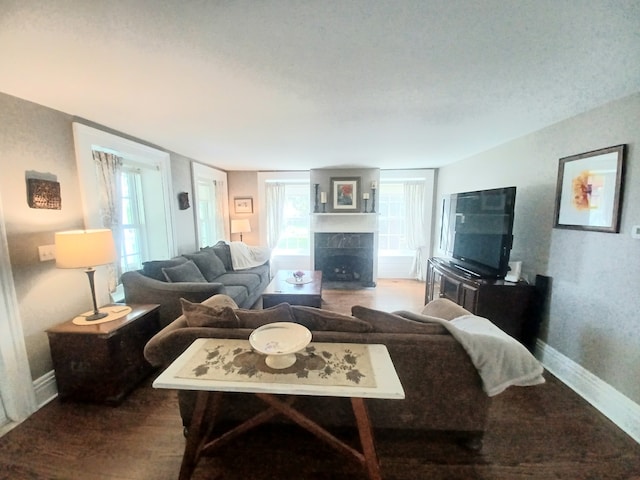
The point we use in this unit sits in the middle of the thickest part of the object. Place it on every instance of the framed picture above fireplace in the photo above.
(344, 193)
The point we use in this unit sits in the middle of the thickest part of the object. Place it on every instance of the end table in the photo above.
(104, 362)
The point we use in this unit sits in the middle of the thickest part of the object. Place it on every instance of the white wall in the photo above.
(593, 309)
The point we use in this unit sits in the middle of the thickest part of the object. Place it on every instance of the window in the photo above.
(146, 195)
(206, 209)
(392, 220)
(295, 236)
(134, 245)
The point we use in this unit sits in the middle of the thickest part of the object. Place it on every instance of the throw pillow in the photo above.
(199, 315)
(153, 268)
(208, 263)
(385, 322)
(187, 272)
(325, 320)
(223, 251)
(256, 318)
(444, 308)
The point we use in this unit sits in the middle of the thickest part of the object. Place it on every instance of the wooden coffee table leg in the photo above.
(196, 435)
(366, 438)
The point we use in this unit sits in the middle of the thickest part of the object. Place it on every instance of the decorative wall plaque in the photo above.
(43, 194)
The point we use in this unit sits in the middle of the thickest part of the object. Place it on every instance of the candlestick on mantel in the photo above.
(365, 196)
(373, 199)
(323, 201)
(374, 185)
(315, 198)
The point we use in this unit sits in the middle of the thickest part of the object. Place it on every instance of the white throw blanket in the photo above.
(501, 360)
(244, 256)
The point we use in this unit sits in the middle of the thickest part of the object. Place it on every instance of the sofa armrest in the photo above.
(167, 345)
(141, 289)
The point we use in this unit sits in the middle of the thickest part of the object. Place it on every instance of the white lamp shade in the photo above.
(240, 226)
(84, 248)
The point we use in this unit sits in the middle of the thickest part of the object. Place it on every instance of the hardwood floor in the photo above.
(543, 432)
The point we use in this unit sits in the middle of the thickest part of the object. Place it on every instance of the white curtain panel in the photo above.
(109, 166)
(275, 196)
(218, 189)
(415, 234)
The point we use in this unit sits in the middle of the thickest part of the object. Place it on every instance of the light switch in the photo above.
(47, 252)
(635, 231)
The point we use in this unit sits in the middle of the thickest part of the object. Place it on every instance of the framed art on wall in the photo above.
(345, 192)
(243, 204)
(43, 194)
(589, 190)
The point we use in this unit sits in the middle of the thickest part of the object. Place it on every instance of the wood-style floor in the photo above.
(543, 432)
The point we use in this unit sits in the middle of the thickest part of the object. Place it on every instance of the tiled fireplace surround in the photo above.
(345, 244)
(345, 247)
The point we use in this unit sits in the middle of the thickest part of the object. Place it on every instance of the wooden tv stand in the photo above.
(511, 306)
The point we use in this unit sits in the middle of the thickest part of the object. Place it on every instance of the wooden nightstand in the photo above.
(103, 362)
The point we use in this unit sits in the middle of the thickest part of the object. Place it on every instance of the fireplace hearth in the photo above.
(345, 257)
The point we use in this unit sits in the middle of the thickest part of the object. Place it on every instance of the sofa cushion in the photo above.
(250, 281)
(256, 318)
(208, 263)
(186, 272)
(385, 322)
(153, 268)
(444, 308)
(201, 315)
(316, 319)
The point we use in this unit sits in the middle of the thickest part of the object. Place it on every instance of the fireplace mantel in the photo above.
(344, 222)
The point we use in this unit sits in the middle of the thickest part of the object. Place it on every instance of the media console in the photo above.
(511, 306)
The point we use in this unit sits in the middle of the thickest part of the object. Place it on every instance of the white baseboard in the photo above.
(618, 408)
(46, 388)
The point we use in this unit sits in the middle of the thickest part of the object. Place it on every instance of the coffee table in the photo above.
(210, 391)
(280, 290)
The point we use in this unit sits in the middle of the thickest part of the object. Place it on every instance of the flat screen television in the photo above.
(477, 231)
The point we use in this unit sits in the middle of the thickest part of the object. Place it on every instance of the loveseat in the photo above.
(195, 277)
(442, 387)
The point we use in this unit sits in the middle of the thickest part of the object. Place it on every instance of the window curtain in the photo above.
(218, 193)
(414, 193)
(275, 197)
(109, 167)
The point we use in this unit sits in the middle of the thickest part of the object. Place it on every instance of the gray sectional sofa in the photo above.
(194, 277)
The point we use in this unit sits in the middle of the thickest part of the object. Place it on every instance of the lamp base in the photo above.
(96, 316)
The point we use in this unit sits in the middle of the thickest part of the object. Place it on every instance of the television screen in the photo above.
(477, 230)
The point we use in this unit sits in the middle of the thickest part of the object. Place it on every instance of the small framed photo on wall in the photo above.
(243, 204)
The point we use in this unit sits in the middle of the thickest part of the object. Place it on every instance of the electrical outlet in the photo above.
(635, 231)
(47, 252)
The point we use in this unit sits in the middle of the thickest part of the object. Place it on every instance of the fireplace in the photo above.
(345, 257)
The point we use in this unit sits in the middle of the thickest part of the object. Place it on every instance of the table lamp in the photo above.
(86, 249)
(240, 226)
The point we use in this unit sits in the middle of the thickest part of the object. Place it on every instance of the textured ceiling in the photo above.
(284, 84)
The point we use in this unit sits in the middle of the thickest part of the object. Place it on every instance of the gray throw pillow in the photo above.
(153, 268)
(187, 272)
(318, 320)
(199, 315)
(208, 263)
(385, 322)
(256, 318)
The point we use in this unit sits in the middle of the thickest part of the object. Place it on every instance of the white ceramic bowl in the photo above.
(279, 341)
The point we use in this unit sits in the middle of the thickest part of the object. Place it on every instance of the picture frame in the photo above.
(345, 193)
(589, 190)
(243, 204)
